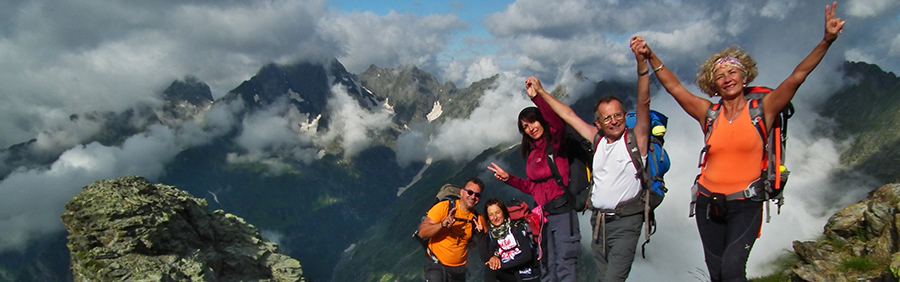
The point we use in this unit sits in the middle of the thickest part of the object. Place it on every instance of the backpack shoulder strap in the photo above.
(711, 115)
(551, 162)
(635, 153)
(757, 117)
(590, 165)
(451, 205)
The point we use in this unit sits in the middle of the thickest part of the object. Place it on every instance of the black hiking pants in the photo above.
(436, 272)
(727, 244)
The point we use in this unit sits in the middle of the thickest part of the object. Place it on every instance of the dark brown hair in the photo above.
(531, 114)
(499, 203)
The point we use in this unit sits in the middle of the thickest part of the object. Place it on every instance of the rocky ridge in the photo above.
(860, 243)
(127, 229)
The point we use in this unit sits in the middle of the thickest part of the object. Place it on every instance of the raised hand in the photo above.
(532, 86)
(639, 45)
(833, 26)
(450, 219)
(499, 173)
(639, 48)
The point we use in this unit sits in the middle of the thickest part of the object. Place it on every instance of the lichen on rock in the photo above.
(860, 243)
(127, 229)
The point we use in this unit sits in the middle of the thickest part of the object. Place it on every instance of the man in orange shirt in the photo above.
(449, 232)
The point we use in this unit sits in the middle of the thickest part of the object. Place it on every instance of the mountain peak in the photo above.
(190, 89)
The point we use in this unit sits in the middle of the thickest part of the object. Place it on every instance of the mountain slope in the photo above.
(867, 111)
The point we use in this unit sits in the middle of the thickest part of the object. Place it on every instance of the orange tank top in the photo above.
(734, 159)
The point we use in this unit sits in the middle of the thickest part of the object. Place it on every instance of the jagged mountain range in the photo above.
(307, 206)
(317, 209)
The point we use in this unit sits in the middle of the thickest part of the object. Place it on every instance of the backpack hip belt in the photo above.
(634, 206)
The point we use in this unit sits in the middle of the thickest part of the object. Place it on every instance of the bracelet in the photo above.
(643, 73)
(659, 68)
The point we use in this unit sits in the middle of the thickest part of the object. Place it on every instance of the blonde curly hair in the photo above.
(707, 82)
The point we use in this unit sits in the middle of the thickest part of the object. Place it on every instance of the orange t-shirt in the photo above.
(449, 244)
(734, 159)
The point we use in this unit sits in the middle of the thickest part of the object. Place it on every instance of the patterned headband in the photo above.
(730, 62)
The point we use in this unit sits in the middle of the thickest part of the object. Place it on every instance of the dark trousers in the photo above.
(727, 244)
(436, 272)
(561, 247)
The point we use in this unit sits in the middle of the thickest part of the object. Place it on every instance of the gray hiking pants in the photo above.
(561, 244)
(622, 234)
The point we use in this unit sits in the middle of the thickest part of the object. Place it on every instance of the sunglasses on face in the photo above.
(477, 195)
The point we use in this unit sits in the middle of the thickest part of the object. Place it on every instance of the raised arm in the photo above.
(534, 89)
(774, 102)
(642, 125)
(694, 106)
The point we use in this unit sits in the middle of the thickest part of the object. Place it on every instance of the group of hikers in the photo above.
(727, 206)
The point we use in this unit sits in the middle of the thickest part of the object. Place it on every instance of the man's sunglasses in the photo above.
(477, 195)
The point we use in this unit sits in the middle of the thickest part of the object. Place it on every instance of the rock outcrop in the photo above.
(860, 243)
(127, 229)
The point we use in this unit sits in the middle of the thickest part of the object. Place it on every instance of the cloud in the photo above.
(871, 8)
(592, 36)
(278, 136)
(78, 56)
(352, 126)
(490, 124)
(412, 144)
(366, 39)
(895, 47)
(482, 68)
(33, 200)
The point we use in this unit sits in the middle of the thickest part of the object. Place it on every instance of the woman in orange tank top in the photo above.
(734, 158)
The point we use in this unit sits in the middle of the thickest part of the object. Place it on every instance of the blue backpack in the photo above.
(657, 158)
(652, 173)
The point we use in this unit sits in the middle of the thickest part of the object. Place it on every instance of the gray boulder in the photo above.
(127, 229)
(860, 243)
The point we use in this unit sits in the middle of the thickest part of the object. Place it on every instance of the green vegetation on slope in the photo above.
(866, 110)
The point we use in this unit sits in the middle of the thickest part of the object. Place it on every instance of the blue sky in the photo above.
(471, 12)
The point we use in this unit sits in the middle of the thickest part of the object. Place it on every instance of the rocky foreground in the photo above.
(860, 243)
(127, 229)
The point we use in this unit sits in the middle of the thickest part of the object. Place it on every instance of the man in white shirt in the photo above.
(614, 175)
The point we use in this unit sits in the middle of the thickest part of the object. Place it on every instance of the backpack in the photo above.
(658, 162)
(773, 175)
(653, 186)
(579, 154)
(520, 213)
(450, 193)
